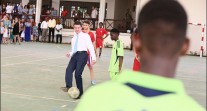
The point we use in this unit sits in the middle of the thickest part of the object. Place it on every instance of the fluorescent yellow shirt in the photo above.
(117, 50)
(137, 91)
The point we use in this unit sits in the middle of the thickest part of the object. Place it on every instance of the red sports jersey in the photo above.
(100, 33)
(136, 65)
(92, 36)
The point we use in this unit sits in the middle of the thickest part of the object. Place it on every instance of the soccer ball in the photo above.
(73, 92)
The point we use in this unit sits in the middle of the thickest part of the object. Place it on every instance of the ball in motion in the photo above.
(73, 92)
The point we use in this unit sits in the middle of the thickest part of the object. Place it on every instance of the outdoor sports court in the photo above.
(32, 74)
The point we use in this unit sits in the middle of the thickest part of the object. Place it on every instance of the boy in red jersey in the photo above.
(100, 32)
(86, 29)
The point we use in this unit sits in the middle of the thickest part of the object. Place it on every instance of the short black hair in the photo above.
(78, 23)
(114, 30)
(156, 17)
(87, 22)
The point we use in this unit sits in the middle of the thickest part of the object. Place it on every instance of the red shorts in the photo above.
(136, 66)
(99, 43)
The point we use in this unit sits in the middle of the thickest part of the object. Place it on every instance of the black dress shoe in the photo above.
(65, 89)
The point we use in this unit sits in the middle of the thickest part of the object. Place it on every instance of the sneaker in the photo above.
(64, 89)
(93, 82)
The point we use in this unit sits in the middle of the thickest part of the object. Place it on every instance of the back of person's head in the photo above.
(162, 27)
(114, 30)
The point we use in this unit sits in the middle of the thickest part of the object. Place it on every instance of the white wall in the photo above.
(25, 2)
(196, 9)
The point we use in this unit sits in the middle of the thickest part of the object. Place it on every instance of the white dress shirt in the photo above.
(44, 25)
(84, 44)
(52, 23)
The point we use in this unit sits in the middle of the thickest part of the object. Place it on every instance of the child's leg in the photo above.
(61, 38)
(57, 38)
(15, 39)
(100, 52)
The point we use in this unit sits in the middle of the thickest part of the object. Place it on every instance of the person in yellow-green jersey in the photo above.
(162, 28)
(117, 55)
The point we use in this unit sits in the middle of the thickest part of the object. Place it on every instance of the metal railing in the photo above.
(69, 21)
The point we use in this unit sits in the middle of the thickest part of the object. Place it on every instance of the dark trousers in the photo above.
(51, 30)
(1, 36)
(77, 64)
(94, 23)
(57, 38)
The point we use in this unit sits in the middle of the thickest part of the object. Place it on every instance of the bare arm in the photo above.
(106, 36)
(120, 62)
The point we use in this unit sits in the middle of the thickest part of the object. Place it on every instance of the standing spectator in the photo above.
(28, 30)
(58, 31)
(128, 18)
(0, 9)
(22, 28)
(34, 32)
(7, 23)
(76, 14)
(64, 14)
(9, 9)
(20, 9)
(44, 27)
(16, 30)
(1, 31)
(39, 30)
(31, 11)
(11, 36)
(53, 12)
(5, 35)
(94, 15)
(3, 10)
(15, 9)
(25, 12)
(51, 25)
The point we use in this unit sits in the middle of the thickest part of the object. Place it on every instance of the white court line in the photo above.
(49, 65)
(30, 61)
(16, 56)
(40, 97)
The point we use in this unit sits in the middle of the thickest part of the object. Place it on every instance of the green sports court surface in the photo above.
(32, 74)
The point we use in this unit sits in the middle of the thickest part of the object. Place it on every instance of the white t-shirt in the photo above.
(94, 13)
(9, 9)
(58, 27)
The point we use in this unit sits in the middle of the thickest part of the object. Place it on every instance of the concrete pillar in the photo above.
(25, 2)
(137, 11)
(102, 10)
(38, 11)
(56, 5)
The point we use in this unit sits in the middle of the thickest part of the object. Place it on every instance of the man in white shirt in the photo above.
(80, 43)
(51, 25)
(94, 14)
(44, 27)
